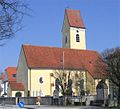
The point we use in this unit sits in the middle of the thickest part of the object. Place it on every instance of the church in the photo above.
(38, 64)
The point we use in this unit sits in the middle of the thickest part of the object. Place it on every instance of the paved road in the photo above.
(49, 107)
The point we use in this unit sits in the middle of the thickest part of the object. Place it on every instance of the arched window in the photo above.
(57, 85)
(66, 39)
(77, 38)
(82, 84)
(18, 94)
(70, 87)
(41, 80)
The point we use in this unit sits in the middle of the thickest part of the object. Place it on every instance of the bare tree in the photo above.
(68, 80)
(68, 77)
(63, 78)
(78, 81)
(11, 15)
(112, 59)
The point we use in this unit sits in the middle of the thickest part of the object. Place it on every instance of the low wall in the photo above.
(26, 100)
(48, 100)
(7, 100)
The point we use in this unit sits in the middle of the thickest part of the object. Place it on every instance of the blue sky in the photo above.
(43, 27)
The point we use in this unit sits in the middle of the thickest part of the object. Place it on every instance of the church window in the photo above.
(77, 31)
(66, 39)
(77, 38)
(41, 80)
(82, 84)
(57, 85)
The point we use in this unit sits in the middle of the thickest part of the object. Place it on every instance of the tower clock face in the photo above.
(41, 80)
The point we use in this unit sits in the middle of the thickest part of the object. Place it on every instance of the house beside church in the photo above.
(9, 85)
(9, 76)
(1, 84)
(37, 64)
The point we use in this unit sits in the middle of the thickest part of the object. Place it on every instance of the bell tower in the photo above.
(73, 30)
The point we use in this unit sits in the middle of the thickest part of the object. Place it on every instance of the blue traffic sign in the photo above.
(21, 104)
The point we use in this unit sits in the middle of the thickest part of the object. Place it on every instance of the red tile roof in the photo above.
(51, 57)
(10, 72)
(16, 86)
(74, 18)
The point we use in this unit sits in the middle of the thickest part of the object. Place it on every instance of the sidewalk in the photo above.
(49, 107)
